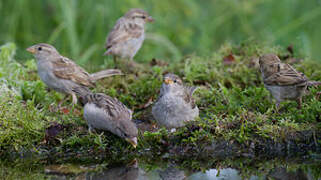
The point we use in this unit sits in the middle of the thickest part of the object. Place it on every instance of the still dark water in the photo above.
(172, 173)
(278, 169)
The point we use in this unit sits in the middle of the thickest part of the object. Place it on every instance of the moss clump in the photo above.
(234, 108)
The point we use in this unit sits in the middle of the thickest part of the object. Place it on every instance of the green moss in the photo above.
(234, 107)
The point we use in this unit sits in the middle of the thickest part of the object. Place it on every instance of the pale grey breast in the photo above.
(47, 76)
(173, 111)
(286, 92)
(96, 117)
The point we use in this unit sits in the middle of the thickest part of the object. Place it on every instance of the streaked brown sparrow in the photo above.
(128, 35)
(282, 80)
(62, 74)
(107, 113)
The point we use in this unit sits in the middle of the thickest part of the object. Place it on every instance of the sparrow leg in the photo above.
(277, 105)
(91, 129)
(115, 61)
(74, 98)
(299, 101)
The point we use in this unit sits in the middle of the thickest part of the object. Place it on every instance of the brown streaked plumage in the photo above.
(64, 68)
(107, 113)
(62, 74)
(282, 80)
(128, 35)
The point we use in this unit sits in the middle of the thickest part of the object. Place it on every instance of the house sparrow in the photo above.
(128, 35)
(107, 113)
(175, 104)
(62, 74)
(282, 80)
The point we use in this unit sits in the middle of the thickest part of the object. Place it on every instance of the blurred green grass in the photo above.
(78, 28)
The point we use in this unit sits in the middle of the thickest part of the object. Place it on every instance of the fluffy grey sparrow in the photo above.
(62, 74)
(107, 113)
(175, 104)
(282, 80)
(128, 35)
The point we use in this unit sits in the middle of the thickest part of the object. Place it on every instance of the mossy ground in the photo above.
(234, 108)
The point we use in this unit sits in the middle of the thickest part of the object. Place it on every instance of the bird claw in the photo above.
(90, 130)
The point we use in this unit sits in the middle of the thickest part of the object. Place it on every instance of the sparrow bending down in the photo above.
(128, 35)
(175, 104)
(282, 80)
(107, 113)
(62, 74)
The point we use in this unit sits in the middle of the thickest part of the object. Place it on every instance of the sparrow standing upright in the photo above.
(128, 35)
(282, 80)
(62, 74)
(175, 104)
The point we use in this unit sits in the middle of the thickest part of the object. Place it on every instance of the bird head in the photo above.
(42, 50)
(268, 59)
(171, 83)
(128, 131)
(139, 16)
(267, 63)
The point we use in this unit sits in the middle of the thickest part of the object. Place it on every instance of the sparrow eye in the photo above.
(144, 17)
(175, 81)
(39, 48)
(125, 135)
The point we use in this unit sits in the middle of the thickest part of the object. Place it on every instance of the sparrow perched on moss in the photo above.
(128, 35)
(107, 113)
(282, 80)
(62, 74)
(175, 104)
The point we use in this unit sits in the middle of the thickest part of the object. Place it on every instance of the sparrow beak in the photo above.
(132, 141)
(150, 19)
(31, 49)
(168, 81)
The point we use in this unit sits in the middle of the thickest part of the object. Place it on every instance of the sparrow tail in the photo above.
(314, 83)
(105, 73)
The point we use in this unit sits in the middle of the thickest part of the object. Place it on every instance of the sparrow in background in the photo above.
(107, 113)
(175, 104)
(282, 80)
(128, 35)
(62, 74)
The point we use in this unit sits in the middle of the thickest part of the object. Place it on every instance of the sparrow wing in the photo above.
(188, 95)
(112, 106)
(284, 75)
(65, 68)
(122, 32)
